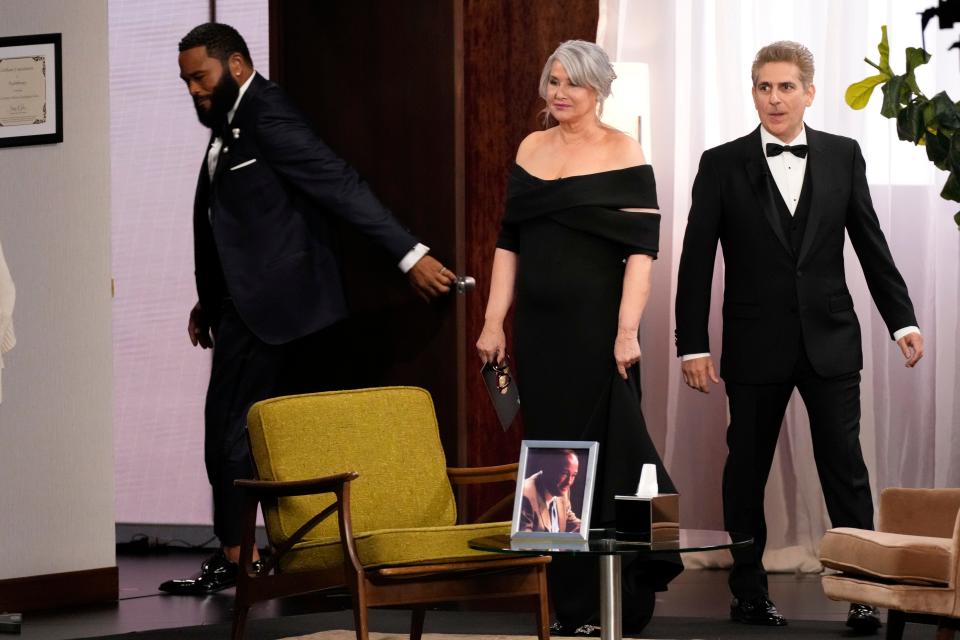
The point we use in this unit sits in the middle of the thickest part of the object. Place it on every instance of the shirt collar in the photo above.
(243, 90)
(767, 137)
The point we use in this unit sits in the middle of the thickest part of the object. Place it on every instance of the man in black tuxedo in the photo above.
(779, 201)
(268, 282)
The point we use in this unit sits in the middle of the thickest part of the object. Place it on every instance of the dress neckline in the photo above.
(580, 175)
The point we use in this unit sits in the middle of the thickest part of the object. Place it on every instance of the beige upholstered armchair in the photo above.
(910, 565)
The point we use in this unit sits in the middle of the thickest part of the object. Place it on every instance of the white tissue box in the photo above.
(641, 519)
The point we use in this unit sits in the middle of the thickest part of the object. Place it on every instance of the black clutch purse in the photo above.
(503, 391)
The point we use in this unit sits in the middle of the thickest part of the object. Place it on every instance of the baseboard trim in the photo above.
(151, 536)
(58, 590)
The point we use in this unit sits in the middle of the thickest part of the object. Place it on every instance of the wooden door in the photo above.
(429, 100)
(376, 78)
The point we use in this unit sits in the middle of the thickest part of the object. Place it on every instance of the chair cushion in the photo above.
(389, 435)
(395, 547)
(889, 556)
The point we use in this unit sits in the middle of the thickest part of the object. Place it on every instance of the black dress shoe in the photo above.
(216, 573)
(760, 611)
(863, 618)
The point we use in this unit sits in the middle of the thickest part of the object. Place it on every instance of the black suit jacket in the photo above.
(261, 227)
(773, 300)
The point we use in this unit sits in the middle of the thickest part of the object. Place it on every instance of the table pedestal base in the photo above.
(610, 604)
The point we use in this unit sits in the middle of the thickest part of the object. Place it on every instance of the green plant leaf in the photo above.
(938, 149)
(945, 113)
(892, 92)
(884, 49)
(910, 123)
(915, 58)
(953, 158)
(930, 118)
(858, 94)
(951, 190)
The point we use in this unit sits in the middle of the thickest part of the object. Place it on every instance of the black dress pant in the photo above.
(756, 414)
(246, 370)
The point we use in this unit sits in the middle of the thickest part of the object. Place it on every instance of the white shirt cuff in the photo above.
(413, 256)
(694, 356)
(904, 332)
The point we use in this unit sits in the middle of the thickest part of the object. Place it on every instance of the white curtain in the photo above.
(699, 53)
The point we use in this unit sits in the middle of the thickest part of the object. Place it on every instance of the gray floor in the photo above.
(141, 607)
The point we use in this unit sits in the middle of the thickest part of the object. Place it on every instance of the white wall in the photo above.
(56, 439)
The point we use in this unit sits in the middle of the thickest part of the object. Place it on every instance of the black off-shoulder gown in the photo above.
(572, 240)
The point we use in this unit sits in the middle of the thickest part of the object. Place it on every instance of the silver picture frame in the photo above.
(546, 465)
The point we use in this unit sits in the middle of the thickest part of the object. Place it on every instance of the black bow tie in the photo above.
(799, 150)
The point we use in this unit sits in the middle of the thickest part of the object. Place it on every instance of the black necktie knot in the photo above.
(774, 149)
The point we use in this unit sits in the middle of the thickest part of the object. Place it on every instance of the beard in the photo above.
(221, 101)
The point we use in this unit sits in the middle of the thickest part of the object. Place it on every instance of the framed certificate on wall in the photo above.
(31, 100)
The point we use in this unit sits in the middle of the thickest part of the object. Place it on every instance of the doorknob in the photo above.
(465, 284)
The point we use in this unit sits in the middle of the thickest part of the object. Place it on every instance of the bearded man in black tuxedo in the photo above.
(268, 281)
(780, 201)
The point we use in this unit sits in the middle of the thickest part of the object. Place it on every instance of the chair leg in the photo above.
(947, 628)
(896, 621)
(360, 608)
(239, 621)
(416, 622)
(543, 605)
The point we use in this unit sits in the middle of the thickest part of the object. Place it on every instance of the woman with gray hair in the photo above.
(576, 250)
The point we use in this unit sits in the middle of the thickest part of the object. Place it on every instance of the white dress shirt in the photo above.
(213, 156)
(554, 516)
(786, 168)
(788, 171)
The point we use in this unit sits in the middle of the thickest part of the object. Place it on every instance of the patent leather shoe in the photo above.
(863, 618)
(759, 611)
(216, 573)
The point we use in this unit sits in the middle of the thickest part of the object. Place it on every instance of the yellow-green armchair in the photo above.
(372, 457)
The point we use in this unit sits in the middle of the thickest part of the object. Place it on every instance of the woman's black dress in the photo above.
(572, 240)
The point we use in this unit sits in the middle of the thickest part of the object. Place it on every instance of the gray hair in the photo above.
(785, 51)
(587, 64)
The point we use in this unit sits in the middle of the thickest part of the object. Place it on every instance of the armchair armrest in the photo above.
(287, 488)
(482, 475)
(462, 476)
(258, 490)
(919, 512)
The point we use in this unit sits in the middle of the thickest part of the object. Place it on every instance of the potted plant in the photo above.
(931, 122)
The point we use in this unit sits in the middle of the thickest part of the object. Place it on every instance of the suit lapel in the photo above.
(820, 177)
(762, 184)
(226, 134)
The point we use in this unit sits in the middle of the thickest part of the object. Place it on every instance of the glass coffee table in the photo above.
(609, 551)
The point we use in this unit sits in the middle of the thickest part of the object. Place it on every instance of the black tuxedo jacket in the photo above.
(261, 231)
(775, 301)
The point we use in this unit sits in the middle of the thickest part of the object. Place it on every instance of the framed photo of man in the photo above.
(554, 490)
(31, 98)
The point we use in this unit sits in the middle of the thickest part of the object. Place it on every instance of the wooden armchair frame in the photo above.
(418, 585)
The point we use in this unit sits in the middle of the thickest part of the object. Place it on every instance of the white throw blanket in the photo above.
(8, 295)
